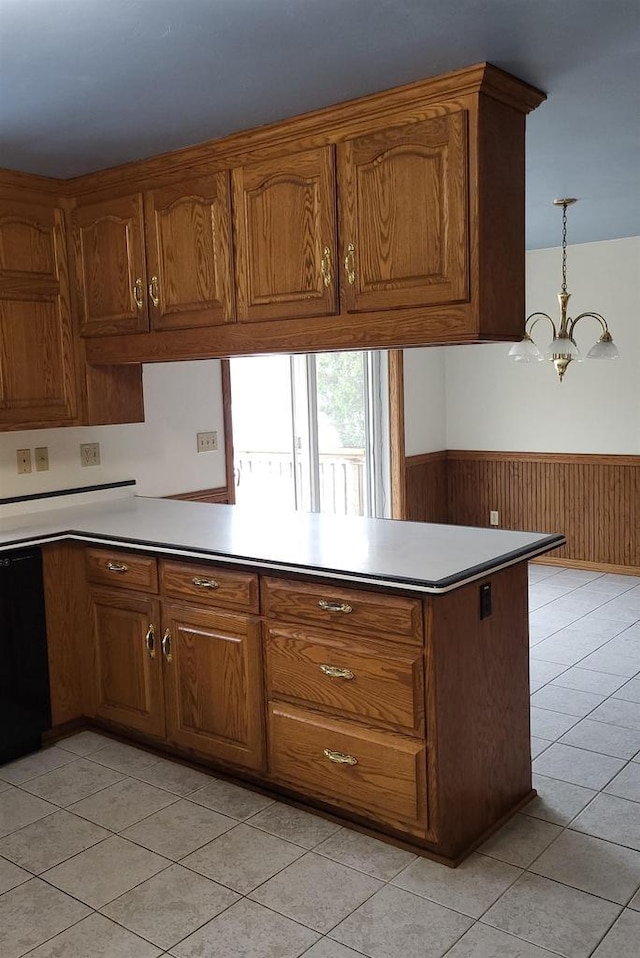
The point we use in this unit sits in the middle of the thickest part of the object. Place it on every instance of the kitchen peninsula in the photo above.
(373, 669)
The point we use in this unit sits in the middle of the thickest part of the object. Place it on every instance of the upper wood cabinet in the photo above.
(285, 229)
(404, 215)
(391, 221)
(188, 241)
(111, 279)
(159, 260)
(37, 357)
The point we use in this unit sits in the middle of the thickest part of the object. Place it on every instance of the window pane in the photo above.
(311, 432)
(341, 432)
(262, 433)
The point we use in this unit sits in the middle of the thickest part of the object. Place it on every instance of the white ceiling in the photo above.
(87, 84)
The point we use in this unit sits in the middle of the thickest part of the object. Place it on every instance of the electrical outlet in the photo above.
(41, 455)
(207, 441)
(494, 518)
(23, 457)
(89, 453)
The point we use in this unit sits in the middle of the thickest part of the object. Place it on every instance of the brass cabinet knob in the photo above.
(117, 567)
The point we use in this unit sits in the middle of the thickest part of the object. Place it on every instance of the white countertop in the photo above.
(414, 556)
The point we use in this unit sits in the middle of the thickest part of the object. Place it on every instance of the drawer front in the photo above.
(207, 585)
(347, 610)
(378, 683)
(379, 774)
(122, 570)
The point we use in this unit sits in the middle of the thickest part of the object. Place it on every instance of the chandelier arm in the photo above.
(536, 317)
(596, 316)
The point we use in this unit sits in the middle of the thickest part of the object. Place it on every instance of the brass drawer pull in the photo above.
(154, 293)
(117, 567)
(137, 293)
(340, 758)
(350, 264)
(329, 606)
(325, 266)
(205, 583)
(335, 672)
(166, 645)
(150, 641)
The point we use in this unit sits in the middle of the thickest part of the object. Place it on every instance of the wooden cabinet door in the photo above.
(285, 228)
(404, 217)
(213, 684)
(111, 281)
(188, 245)
(37, 358)
(128, 661)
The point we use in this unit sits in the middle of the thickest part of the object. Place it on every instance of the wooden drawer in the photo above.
(347, 610)
(378, 683)
(208, 585)
(383, 774)
(122, 570)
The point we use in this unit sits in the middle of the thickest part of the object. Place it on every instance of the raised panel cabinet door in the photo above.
(404, 216)
(285, 228)
(213, 686)
(37, 357)
(111, 279)
(128, 661)
(188, 240)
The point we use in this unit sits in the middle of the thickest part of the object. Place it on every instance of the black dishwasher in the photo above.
(25, 710)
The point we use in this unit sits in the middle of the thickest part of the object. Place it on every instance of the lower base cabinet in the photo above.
(408, 716)
(344, 678)
(177, 672)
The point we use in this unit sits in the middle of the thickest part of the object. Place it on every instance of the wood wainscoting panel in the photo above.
(594, 500)
(426, 487)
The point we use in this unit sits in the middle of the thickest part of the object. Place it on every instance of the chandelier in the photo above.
(563, 349)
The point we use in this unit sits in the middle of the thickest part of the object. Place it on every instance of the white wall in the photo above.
(458, 397)
(160, 454)
(496, 404)
(424, 400)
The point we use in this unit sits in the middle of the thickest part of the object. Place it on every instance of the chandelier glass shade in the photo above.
(563, 349)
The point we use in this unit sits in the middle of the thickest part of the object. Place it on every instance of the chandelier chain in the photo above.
(564, 247)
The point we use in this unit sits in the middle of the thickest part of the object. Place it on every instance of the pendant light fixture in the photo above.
(563, 349)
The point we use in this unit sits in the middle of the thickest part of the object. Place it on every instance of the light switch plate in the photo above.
(207, 441)
(41, 455)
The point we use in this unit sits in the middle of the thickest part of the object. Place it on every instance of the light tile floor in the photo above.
(107, 851)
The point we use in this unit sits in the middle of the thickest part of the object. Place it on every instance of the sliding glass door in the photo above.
(311, 432)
